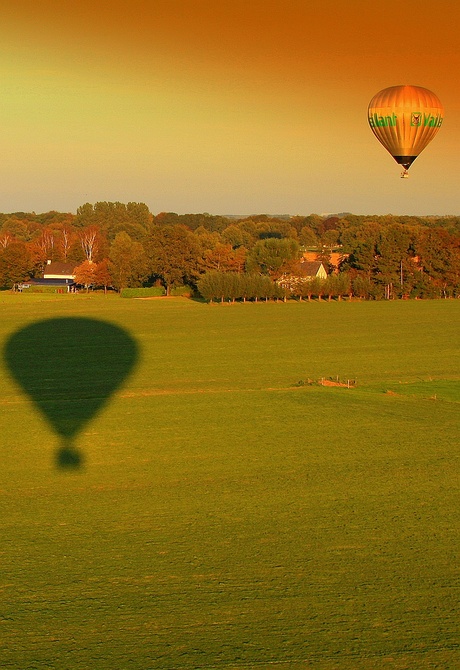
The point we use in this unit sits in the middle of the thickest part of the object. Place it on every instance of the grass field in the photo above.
(226, 516)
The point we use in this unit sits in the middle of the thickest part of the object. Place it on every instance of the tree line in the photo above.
(119, 245)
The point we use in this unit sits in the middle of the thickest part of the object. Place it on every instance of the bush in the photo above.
(45, 289)
(182, 290)
(150, 292)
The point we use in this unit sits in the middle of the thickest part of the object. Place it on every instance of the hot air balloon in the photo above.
(405, 119)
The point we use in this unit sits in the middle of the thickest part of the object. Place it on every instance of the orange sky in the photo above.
(228, 108)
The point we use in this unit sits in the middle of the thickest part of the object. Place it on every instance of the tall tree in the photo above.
(43, 247)
(5, 239)
(102, 275)
(175, 255)
(225, 258)
(22, 230)
(360, 245)
(90, 241)
(438, 256)
(15, 264)
(307, 237)
(65, 241)
(392, 264)
(85, 274)
(268, 256)
(128, 264)
(106, 215)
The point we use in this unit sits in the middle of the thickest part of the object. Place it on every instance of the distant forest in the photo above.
(111, 244)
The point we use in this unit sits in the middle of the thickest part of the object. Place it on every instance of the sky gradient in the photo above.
(229, 108)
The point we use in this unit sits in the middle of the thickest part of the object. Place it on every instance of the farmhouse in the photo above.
(56, 274)
(300, 272)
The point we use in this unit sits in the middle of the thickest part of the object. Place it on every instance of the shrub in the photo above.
(150, 292)
(181, 290)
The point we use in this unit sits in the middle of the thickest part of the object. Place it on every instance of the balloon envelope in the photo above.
(405, 119)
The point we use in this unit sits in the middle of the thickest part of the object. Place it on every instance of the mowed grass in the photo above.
(225, 516)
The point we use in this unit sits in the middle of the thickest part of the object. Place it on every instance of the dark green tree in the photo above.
(175, 256)
(128, 264)
(268, 256)
(393, 259)
(308, 238)
(438, 258)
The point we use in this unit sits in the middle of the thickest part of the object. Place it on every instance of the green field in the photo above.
(227, 513)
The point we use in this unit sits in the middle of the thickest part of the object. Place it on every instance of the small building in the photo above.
(59, 275)
(301, 272)
(311, 269)
(58, 270)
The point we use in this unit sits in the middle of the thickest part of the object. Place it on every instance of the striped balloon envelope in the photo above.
(405, 119)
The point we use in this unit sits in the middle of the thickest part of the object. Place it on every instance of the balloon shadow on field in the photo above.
(70, 367)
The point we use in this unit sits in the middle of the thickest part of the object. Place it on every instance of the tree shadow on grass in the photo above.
(70, 367)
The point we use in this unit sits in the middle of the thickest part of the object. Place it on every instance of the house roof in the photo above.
(56, 269)
(303, 271)
(306, 268)
(310, 268)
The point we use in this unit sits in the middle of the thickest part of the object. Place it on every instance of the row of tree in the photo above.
(228, 286)
(125, 245)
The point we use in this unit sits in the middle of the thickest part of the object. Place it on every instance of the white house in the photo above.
(56, 274)
(301, 272)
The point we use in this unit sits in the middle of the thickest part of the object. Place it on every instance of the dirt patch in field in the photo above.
(329, 382)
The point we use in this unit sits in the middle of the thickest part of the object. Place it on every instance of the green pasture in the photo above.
(230, 512)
